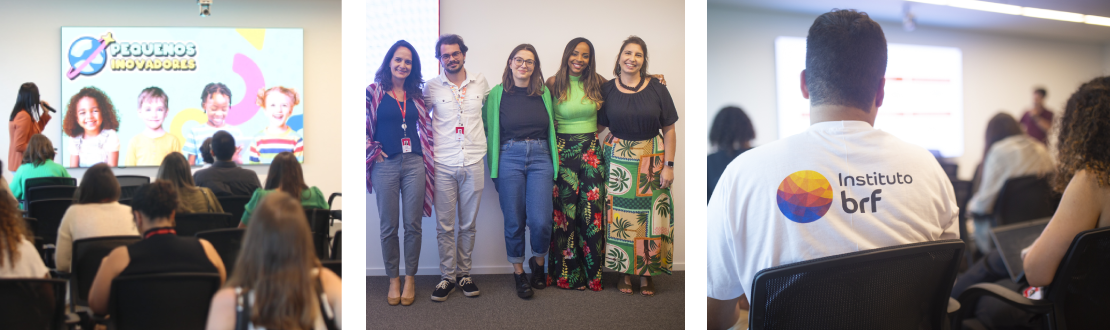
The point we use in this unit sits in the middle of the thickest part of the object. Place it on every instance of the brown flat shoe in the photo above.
(648, 289)
(624, 288)
(393, 301)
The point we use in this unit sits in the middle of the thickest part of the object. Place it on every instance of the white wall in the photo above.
(33, 55)
(1000, 71)
(491, 28)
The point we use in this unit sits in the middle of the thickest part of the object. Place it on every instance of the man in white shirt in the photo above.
(841, 186)
(455, 100)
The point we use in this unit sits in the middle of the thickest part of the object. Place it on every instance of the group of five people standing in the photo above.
(586, 203)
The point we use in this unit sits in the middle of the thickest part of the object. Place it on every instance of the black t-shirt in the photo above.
(167, 253)
(225, 178)
(638, 116)
(523, 116)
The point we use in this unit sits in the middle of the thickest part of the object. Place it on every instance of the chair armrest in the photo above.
(953, 305)
(332, 197)
(969, 300)
(337, 214)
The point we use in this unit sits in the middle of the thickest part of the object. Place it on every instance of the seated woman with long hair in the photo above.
(38, 162)
(278, 275)
(191, 199)
(285, 175)
(160, 251)
(18, 257)
(95, 212)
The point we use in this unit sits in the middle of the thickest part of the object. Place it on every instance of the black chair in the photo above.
(335, 266)
(227, 243)
(963, 195)
(189, 224)
(234, 205)
(337, 246)
(32, 224)
(45, 181)
(33, 303)
(1077, 298)
(48, 213)
(125, 201)
(1025, 198)
(335, 214)
(49, 192)
(129, 183)
(318, 222)
(950, 169)
(87, 255)
(162, 301)
(897, 287)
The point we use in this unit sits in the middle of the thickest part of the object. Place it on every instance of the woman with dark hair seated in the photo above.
(732, 133)
(160, 251)
(191, 199)
(277, 276)
(38, 162)
(18, 257)
(95, 212)
(285, 175)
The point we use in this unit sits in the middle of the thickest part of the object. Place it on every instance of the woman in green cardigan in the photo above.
(521, 137)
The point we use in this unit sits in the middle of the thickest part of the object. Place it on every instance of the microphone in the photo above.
(48, 107)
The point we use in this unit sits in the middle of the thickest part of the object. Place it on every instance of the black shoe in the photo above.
(523, 290)
(539, 276)
(443, 289)
(467, 285)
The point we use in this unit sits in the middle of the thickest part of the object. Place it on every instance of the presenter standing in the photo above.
(27, 119)
(399, 161)
(578, 235)
(521, 134)
(455, 99)
(640, 114)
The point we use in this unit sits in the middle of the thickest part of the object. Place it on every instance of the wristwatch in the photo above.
(670, 164)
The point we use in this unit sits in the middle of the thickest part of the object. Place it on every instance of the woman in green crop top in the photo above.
(578, 238)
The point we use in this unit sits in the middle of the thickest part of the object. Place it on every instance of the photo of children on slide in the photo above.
(133, 95)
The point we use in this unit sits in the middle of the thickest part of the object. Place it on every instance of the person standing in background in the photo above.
(27, 119)
(1037, 121)
(455, 100)
(732, 133)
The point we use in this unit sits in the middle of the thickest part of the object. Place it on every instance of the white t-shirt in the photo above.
(94, 150)
(29, 265)
(836, 188)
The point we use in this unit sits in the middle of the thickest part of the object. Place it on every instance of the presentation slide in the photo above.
(923, 101)
(416, 22)
(132, 95)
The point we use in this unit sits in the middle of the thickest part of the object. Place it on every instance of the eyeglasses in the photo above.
(520, 61)
(451, 55)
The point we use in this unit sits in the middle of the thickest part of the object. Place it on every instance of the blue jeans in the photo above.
(525, 181)
(399, 188)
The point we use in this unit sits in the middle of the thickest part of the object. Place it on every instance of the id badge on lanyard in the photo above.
(406, 145)
(459, 94)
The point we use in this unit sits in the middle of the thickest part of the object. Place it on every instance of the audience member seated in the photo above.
(38, 162)
(160, 250)
(96, 212)
(226, 178)
(286, 175)
(18, 257)
(1008, 154)
(191, 199)
(206, 152)
(841, 186)
(279, 274)
(1083, 175)
(732, 133)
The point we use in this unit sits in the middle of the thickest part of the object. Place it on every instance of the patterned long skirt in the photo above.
(640, 232)
(578, 237)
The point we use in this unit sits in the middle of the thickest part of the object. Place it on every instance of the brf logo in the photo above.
(87, 55)
(804, 196)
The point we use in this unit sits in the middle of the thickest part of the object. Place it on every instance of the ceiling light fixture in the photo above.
(1018, 10)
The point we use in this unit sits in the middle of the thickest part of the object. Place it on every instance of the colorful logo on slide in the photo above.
(804, 196)
(87, 55)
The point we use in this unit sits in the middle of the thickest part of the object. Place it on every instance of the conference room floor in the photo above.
(498, 307)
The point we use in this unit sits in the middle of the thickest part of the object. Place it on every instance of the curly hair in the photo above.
(1084, 137)
(12, 227)
(109, 119)
(155, 200)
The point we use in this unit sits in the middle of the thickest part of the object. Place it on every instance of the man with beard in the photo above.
(215, 101)
(455, 100)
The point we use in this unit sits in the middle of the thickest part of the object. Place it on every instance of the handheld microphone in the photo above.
(48, 107)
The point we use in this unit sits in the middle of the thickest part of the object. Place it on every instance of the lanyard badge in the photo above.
(406, 143)
(460, 96)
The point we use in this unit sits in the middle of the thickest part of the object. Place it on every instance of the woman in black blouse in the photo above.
(640, 149)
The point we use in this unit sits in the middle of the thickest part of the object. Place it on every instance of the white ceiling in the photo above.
(958, 18)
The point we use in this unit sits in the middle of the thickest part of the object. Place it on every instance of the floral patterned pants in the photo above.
(578, 237)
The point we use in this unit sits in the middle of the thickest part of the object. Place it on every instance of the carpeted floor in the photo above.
(498, 307)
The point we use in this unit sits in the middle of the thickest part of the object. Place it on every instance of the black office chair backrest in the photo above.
(189, 224)
(48, 181)
(336, 266)
(49, 213)
(897, 287)
(162, 301)
(32, 303)
(49, 192)
(950, 169)
(337, 246)
(128, 184)
(234, 205)
(87, 254)
(1023, 199)
(963, 195)
(227, 243)
(318, 222)
(1080, 291)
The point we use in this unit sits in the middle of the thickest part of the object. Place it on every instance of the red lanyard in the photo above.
(400, 103)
